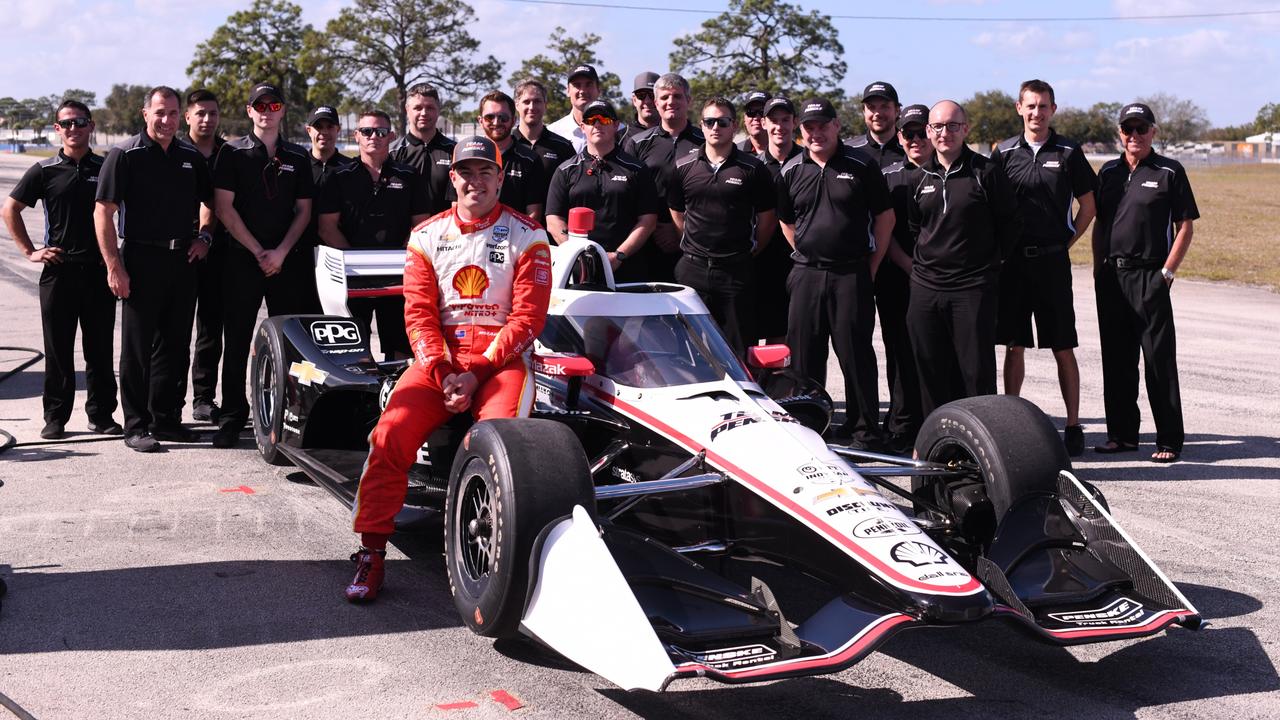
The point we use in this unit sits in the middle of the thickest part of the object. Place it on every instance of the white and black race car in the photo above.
(667, 512)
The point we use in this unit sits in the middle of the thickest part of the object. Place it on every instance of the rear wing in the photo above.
(343, 274)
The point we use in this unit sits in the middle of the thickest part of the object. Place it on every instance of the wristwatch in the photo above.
(1166, 273)
(205, 237)
(620, 255)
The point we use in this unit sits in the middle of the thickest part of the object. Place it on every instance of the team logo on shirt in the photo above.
(619, 178)
(1151, 184)
(845, 176)
(1052, 164)
(500, 232)
(927, 189)
(187, 166)
(395, 185)
(470, 282)
(733, 181)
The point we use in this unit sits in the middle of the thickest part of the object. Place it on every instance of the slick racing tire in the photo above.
(1009, 444)
(510, 479)
(267, 377)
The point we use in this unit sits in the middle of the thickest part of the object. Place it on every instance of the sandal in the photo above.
(1111, 447)
(1165, 455)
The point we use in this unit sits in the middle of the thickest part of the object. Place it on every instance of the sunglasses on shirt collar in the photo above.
(69, 123)
(268, 106)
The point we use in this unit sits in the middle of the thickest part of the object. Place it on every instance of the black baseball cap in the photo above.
(1137, 111)
(323, 112)
(645, 81)
(476, 148)
(599, 108)
(755, 96)
(779, 102)
(583, 71)
(880, 88)
(913, 114)
(815, 108)
(262, 90)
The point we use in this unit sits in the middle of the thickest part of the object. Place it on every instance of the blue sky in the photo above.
(1227, 65)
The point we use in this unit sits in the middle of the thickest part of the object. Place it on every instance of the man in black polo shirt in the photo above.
(1145, 214)
(323, 127)
(552, 149)
(772, 265)
(835, 211)
(893, 286)
(757, 140)
(616, 186)
(374, 203)
(1047, 171)
(659, 147)
(202, 117)
(157, 183)
(880, 109)
(425, 148)
(722, 201)
(963, 215)
(524, 187)
(73, 280)
(643, 103)
(263, 195)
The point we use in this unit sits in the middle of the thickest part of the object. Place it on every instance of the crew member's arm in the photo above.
(530, 297)
(557, 207)
(764, 199)
(111, 181)
(557, 228)
(12, 213)
(766, 226)
(677, 219)
(1182, 211)
(1084, 188)
(882, 231)
(305, 191)
(636, 239)
(224, 203)
(1085, 214)
(880, 205)
(1181, 243)
(330, 233)
(422, 314)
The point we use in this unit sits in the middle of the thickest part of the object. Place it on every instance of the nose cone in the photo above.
(949, 609)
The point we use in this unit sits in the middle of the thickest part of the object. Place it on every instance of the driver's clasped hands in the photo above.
(458, 389)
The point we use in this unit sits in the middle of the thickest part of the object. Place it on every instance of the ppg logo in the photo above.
(335, 333)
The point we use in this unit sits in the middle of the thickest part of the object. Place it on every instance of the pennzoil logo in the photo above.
(884, 527)
(471, 282)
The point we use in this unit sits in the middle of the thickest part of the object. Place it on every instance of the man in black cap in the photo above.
(835, 211)
(757, 140)
(531, 105)
(425, 148)
(964, 217)
(374, 203)
(583, 88)
(263, 193)
(1048, 171)
(773, 264)
(722, 202)
(642, 101)
(616, 186)
(880, 108)
(323, 127)
(893, 286)
(73, 280)
(1145, 214)
(158, 185)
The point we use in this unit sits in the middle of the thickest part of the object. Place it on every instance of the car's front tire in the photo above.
(267, 377)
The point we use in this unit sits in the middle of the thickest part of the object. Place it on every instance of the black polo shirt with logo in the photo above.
(902, 183)
(720, 203)
(68, 189)
(523, 183)
(321, 172)
(1045, 182)
(552, 150)
(659, 150)
(883, 155)
(431, 160)
(266, 186)
(375, 214)
(617, 187)
(832, 207)
(220, 235)
(159, 191)
(965, 221)
(1137, 210)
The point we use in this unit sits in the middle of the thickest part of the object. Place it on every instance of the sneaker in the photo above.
(369, 572)
(1073, 438)
(226, 437)
(53, 430)
(106, 427)
(899, 444)
(142, 443)
(176, 433)
(203, 411)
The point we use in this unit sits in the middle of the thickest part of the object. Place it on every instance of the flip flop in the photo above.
(1173, 455)
(1111, 447)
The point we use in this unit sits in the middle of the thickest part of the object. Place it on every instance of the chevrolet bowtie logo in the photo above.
(307, 373)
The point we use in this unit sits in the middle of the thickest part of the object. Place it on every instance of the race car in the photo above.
(669, 511)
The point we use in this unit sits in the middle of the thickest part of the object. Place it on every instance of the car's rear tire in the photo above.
(267, 378)
(510, 479)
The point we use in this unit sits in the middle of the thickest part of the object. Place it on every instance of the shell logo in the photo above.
(471, 282)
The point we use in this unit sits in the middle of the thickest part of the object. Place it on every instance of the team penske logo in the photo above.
(471, 282)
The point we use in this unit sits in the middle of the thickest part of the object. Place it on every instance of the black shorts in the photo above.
(1039, 287)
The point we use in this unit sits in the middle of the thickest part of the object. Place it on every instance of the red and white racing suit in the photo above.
(476, 296)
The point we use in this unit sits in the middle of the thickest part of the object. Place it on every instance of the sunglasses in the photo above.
(372, 131)
(912, 134)
(268, 106)
(720, 122)
(599, 120)
(1138, 129)
(753, 114)
(951, 127)
(496, 117)
(77, 122)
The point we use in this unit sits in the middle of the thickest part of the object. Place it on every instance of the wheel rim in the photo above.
(476, 533)
(266, 395)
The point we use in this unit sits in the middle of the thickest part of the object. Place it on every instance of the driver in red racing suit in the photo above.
(477, 281)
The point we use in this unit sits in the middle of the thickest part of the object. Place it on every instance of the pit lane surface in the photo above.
(204, 583)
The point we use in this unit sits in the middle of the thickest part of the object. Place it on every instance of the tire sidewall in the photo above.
(267, 343)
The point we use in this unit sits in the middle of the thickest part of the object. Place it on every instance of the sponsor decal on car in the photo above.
(307, 373)
(822, 473)
(1121, 611)
(730, 658)
(884, 527)
(918, 554)
(335, 333)
(732, 421)
(624, 474)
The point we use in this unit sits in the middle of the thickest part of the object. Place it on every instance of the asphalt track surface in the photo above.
(204, 583)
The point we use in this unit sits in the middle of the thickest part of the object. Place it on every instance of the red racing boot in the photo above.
(370, 567)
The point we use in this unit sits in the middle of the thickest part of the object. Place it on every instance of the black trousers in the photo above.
(725, 287)
(390, 313)
(208, 348)
(74, 294)
(893, 293)
(1134, 313)
(292, 291)
(953, 335)
(837, 305)
(155, 336)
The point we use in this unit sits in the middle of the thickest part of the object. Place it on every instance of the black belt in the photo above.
(170, 244)
(1035, 251)
(834, 265)
(1128, 263)
(728, 260)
